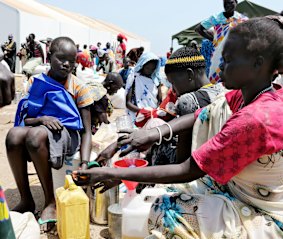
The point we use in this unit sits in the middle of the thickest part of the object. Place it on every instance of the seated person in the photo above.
(6, 229)
(13, 224)
(53, 127)
(106, 63)
(238, 170)
(35, 55)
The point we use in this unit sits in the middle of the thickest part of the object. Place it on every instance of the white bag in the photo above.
(118, 100)
(25, 226)
(105, 135)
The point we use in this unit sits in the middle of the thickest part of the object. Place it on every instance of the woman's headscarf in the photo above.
(145, 58)
(122, 36)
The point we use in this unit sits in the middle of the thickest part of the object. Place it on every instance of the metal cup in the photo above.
(115, 221)
(91, 195)
(99, 203)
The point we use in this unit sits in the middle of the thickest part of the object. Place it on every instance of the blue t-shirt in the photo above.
(125, 73)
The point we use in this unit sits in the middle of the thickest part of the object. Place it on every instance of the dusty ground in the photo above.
(7, 180)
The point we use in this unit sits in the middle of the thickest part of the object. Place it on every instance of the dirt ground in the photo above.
(7, 180)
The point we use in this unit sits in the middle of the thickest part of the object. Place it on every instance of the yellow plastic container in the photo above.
(72, 211)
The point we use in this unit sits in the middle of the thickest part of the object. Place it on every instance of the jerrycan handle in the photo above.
(69, 183)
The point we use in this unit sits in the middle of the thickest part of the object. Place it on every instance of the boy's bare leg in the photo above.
(17, 156)
(37, 146)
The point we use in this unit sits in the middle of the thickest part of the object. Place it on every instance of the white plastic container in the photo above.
(135, 212)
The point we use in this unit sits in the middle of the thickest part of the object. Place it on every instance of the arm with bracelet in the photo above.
(142, 139)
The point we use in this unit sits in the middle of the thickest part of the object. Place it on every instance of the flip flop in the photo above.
(50, 223)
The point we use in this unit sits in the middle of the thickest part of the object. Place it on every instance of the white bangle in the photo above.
(171, 133)
(160, 136)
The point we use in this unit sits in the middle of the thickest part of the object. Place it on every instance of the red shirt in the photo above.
(123, 46)
(251, 132)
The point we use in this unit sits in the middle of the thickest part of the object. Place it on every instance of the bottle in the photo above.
(72, 211)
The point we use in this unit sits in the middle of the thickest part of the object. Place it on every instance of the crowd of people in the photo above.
(217, 133)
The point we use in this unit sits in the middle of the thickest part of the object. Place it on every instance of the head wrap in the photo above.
(183, 58)
(145, 58)
(93, 48)
(121, 35)
(10, 36)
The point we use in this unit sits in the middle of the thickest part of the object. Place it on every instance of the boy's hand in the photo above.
(51, 123)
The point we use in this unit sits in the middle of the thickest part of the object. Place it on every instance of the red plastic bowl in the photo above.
(139, 163)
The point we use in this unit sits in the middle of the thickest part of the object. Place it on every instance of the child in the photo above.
(103, 107)
(242, 195)
(126, 70)
(142, 85)
(53, 128)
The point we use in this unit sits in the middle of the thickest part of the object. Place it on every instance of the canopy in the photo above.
(245, 7)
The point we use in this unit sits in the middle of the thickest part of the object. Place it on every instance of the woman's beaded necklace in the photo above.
(269, 88)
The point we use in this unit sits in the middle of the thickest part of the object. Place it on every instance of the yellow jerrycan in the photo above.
(72, 211)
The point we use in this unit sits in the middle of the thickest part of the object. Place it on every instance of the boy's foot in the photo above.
(47, 219)
(25, 206)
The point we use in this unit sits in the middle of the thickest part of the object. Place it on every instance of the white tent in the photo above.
(22, 17)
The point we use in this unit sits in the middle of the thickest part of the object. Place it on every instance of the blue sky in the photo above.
(155, 20)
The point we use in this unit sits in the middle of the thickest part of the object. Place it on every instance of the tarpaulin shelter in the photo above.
(245, 7)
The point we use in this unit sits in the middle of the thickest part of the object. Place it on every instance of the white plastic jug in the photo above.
(135, 211)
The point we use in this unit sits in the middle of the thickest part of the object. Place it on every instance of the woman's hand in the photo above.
(90, 176)
(137, 139)
(51, 123)
(106, 185)
(107, 154)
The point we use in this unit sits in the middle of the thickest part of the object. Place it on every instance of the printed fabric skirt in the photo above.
(205, 209)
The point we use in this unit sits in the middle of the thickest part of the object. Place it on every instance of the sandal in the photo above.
(49, 222)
